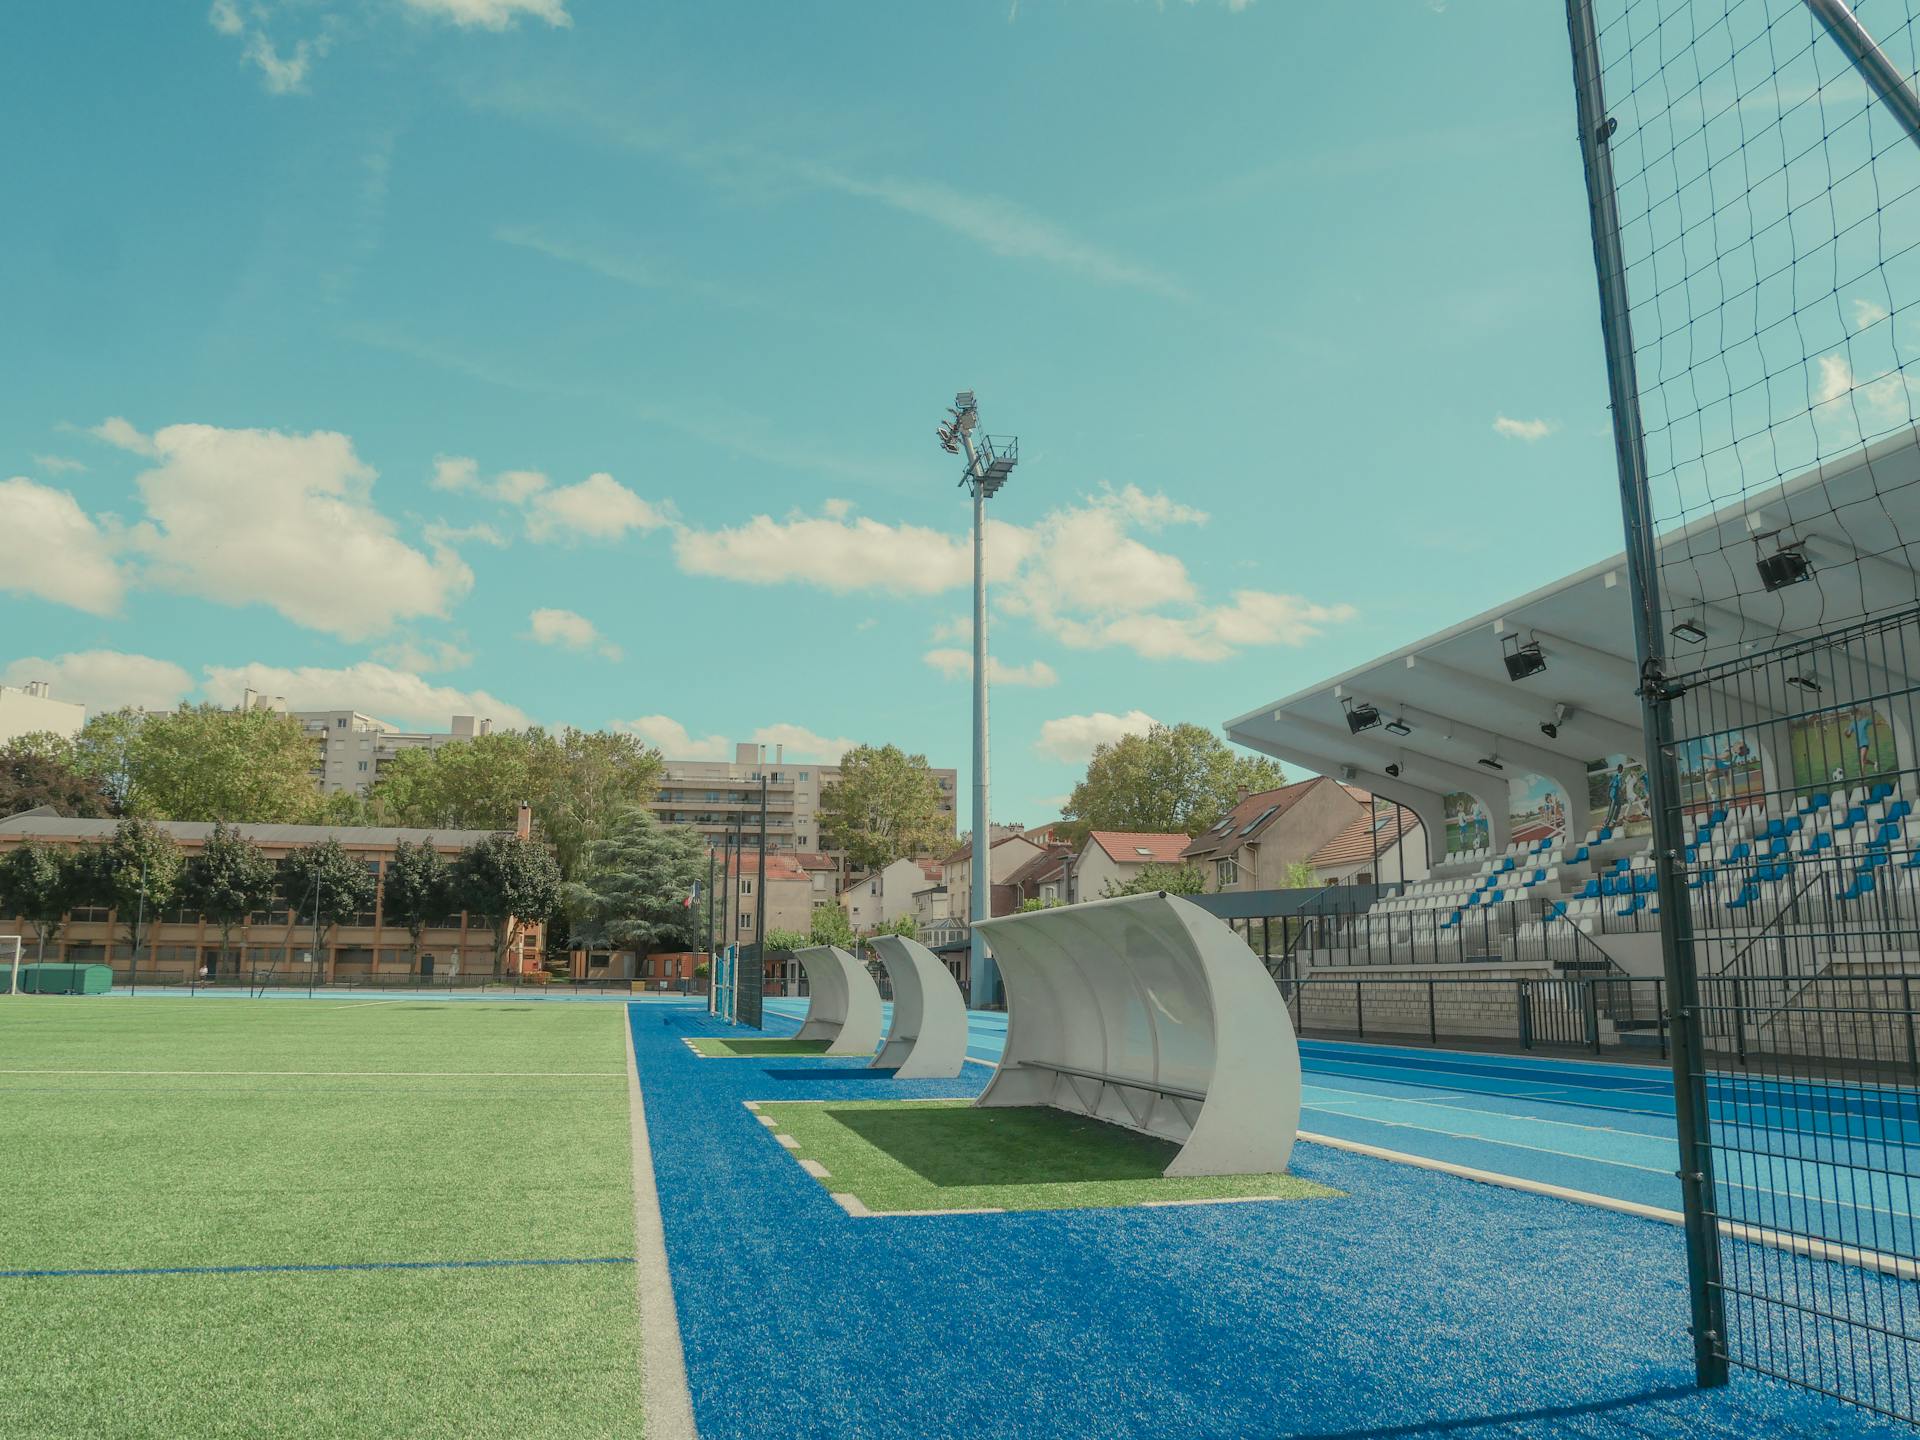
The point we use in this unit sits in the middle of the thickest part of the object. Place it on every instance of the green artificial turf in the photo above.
(948, 1155)
(474, 1148)
(718, 1047)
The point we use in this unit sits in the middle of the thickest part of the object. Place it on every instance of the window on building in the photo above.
(363, 767)
(803, 774)
(341, 723)
(746, 886)
(1226, 870)
(746, 920)
(873, 888)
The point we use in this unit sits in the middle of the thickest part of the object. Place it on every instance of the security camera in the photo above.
(1394, 770)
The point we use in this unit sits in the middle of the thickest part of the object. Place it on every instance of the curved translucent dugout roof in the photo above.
(843, 1003)
(1147, 1012)
(928, 1036)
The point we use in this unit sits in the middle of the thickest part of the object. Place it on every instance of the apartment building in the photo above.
(30, 708)
(352, 747)
(714, 795)
(273, 945)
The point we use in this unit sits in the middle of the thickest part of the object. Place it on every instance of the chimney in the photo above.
(779, 753)
(246, 698)
(1244, 792)
(523, 826)
(486, 726)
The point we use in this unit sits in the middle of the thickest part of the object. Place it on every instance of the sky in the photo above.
(579, 362)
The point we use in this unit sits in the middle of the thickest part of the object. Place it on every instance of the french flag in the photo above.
(692, 896)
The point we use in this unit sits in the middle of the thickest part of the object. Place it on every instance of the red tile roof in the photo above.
(1356, 842)
(966, 847)
(813, 860)
(1040, 869)
(1124, 846)
(781, 865)
(1224, 836)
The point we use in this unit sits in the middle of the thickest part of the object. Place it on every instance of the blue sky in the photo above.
(579, 361)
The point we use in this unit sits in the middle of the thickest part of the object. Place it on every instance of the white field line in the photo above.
(1360, 1095)
(365, 1074)
(663, 1363)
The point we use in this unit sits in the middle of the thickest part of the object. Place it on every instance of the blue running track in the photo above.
(1832, 1161)
(1417, 1305)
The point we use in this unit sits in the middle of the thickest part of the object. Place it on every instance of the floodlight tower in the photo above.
(990, 460)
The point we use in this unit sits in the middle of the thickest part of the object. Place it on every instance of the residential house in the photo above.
(884, 897)
(1044, 878)
(1011, 848)
(1110, 858)
(1384, 844)
(1256, 843)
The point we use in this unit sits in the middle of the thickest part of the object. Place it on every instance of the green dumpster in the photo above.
(49, 978)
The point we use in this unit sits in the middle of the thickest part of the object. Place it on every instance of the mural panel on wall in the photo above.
(1721, 770)
(1617, 796)
(1467, 827)
(1841, 747)
(1536, 809)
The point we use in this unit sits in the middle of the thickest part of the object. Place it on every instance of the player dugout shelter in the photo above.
(1547, 682)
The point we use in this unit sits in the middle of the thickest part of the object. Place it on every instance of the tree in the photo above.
(635, 884)
(787, 940)
(325, 885)
(906, 925)
(508, 883)
(41, 883)
(885, 805)
(1300, 876)
(831, 927)
(1036, 903)
(582, 784)
(416, 891)
(227, 881)
(103, 752)
(475, 784)
(1173, 779)
(39, 769)
(205, 763)
(1188, 879)
(135, 872)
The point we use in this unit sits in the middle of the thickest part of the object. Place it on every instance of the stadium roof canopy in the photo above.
(1857, 520)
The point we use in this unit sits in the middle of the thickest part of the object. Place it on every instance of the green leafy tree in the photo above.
(885, 805)
(136, 872)
(227, 881)
(1028, 906)
(1173, 779)
(40, 769)
(416, 891)
(1299, 876)
(831, 927)
(787, 940)
(906, 925)
(582, 784)
(1186, 879)
(103, 752)
(41, 883)
(475, 784)
(201, 762)
(634, 885)
(508, 884)
(325, 885)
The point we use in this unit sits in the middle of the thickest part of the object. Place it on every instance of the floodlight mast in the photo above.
(988, 466)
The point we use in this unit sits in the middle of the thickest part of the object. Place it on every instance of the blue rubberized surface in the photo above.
(1795, 1156)
(1419, 1305)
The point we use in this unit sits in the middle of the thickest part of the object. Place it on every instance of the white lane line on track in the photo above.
(1666, 1170)
(1493, 1114)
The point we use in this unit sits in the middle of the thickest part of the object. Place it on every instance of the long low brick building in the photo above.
(180, 945)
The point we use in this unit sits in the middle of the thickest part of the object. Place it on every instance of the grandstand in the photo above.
(1802, 849)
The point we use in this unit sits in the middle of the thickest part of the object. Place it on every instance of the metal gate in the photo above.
(1753, 176)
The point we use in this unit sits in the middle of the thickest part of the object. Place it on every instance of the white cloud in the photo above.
(1523, 429)
(841, 555)
(424, 655)
(282, 74)
(958, 664)
(393, 695)
(58, 464)
(958, 627)
(1867, 313)
(1836, 378)
(598, 508)
(1078, 574)
(106, 679)
(55, 550)
(493, 14)
(798, 744)
(224, 16)
(565, 630)
(1073, 738)
(1885, 401)
(246, 516)
(997, 225)
(121, 433)
(455, 472)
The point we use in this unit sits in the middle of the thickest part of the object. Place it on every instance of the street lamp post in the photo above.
(990, 461)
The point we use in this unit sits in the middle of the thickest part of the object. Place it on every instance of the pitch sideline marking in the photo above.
(663, 1379)
(367, 1074)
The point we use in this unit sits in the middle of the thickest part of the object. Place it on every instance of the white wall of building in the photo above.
(32, 708)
